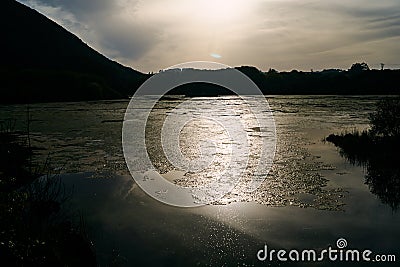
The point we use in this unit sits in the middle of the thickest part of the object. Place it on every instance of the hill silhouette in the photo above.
(43, 62)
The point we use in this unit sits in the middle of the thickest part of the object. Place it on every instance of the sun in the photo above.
(219, 11)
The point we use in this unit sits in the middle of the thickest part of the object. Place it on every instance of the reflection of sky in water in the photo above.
(138, 226)
(87, 137)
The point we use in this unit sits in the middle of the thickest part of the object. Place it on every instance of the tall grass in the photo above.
(33, 229)
(377, 150)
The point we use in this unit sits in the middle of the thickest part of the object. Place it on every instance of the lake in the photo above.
(310, 198)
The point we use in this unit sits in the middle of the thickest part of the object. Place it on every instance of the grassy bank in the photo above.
(377, 150)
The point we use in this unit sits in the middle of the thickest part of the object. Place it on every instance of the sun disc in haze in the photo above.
(219, 11)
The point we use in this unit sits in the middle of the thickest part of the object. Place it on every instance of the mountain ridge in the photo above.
(43, 61)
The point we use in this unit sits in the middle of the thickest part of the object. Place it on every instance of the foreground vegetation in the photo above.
(33, 229)
(377, 149)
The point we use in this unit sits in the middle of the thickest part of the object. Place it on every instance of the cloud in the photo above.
(108, 26)
(319, 34)
(283, 34)
(125, 41)
(80, 8)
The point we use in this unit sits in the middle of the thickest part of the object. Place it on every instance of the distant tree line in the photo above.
(359, 79)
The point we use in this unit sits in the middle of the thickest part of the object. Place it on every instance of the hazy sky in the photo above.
(149, 35)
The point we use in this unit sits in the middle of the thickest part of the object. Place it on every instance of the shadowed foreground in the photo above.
(33, 230)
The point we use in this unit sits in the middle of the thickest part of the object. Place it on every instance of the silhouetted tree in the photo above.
(359, 67)
(386, 119)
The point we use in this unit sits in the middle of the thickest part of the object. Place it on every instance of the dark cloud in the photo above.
(80, 8)
(103, 24)
(369, 19)
(318, 26)
(126, 42)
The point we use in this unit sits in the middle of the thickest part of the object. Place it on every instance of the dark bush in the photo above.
(385, 120)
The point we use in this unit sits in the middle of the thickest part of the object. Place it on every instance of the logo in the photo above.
(340, 253)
